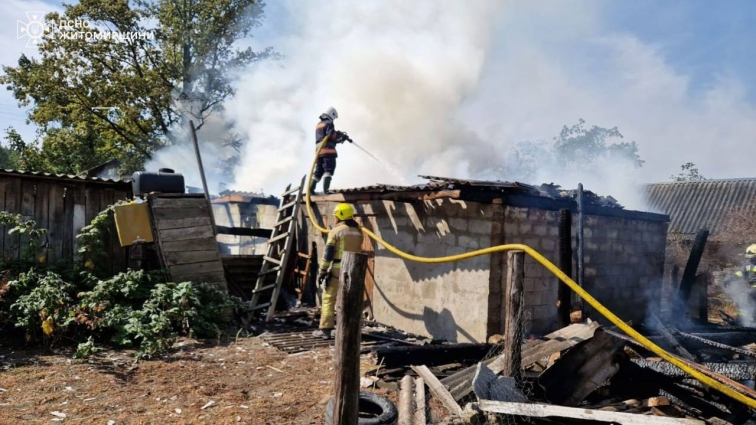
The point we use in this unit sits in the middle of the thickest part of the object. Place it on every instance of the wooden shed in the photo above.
(62, 204)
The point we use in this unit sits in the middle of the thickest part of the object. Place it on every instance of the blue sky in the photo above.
(675, 76)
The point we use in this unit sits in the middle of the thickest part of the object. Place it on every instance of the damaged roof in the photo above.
(436, 183)
(702, 204)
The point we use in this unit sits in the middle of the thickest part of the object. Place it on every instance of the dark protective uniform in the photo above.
(326, 165)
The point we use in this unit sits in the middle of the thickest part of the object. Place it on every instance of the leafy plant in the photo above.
(86, 349)
(34, 249)
(44, 306)
(92, 236)
(689, 173)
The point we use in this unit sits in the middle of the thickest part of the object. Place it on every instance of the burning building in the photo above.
(462, 301)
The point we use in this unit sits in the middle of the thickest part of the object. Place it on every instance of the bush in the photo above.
(73, 300)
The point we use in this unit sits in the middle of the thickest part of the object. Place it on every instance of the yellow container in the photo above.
(133, 223)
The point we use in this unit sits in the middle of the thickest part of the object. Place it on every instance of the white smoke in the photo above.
(181, 156)
(448, 88)
(397, 71)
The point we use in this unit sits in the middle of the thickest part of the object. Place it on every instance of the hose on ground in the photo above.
(582, 293)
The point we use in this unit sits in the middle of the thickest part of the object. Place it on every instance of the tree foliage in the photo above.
(575, 147)
(94, 100)
(689, 173)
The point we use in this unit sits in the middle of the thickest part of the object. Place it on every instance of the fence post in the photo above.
(513, 313)
(347, 356)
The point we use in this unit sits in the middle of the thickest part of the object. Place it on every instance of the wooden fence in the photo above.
(62, 205)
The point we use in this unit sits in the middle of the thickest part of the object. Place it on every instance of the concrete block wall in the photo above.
(446, 301)
(539, 229)
(624, 264)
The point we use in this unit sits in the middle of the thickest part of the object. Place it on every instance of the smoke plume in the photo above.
(450, 88)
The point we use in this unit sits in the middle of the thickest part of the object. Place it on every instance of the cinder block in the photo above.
(612, 234)
(540, 230)
(534, 298)
(554, 231)
(511, 228)
(526, 228)
(548, 244)
(543, 312)
(534, 243)
(479, 226)
(458, 224)
(473, 242)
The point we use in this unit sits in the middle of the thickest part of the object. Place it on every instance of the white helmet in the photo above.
(331, 112)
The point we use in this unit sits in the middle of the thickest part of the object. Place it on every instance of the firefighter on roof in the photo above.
(345, 237)
(326, 164)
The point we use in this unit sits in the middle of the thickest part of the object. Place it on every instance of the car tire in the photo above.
(383, 409)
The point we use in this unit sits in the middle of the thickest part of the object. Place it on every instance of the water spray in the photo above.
(390, 168)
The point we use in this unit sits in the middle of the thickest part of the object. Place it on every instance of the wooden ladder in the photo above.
(280, 247)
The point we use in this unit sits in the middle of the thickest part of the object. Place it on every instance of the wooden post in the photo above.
(513, 310)
(347, 356)
(564, 293)
(689, 274)
(202, 175)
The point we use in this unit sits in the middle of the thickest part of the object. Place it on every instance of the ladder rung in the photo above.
(264, 288)
(303, 255)
(259, 306)
(269, 271)
(284, 221)
(272, 260)
(290, 191)
(285, 207)
(279, 237)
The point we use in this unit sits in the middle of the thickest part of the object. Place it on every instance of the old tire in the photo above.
(381, 409)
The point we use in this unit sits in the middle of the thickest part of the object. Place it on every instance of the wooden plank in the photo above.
(215, 276)
(172, 213)
(667, 335)
(348, 335)
(197, 268)
(80, 213)
(182, 223)
(118, 253)
(193, 203)
(56, 216)
(188, 234)
(27, 209)
(196, 245)
(534, 410)
(2, 208)
(190, 257)
(107, 198)
(68, 219)
(92, 203)
(13, 206)
(689, 274)
(438, 390)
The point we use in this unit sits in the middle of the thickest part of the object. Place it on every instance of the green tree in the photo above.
(689, 173)
(95, 99)
(577, 144)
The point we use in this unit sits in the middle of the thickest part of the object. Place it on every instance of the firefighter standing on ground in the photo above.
(345, 237)
(326, 164)
(747, 278)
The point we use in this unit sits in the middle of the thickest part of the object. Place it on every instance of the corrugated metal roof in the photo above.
(695, 205)
(62, 176)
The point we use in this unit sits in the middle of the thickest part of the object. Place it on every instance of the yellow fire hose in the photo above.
(750, 402)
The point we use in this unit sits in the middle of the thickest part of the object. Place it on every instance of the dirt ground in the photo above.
(247, 382)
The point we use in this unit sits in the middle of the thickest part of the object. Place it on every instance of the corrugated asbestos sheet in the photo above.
(694, 205)
(61, 176)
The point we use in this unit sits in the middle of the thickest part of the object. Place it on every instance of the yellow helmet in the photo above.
(751, 251)
(343, 212)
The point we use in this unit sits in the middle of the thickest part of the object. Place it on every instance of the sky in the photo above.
(448, 87)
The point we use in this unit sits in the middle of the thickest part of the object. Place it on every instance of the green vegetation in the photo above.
(73, 303)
